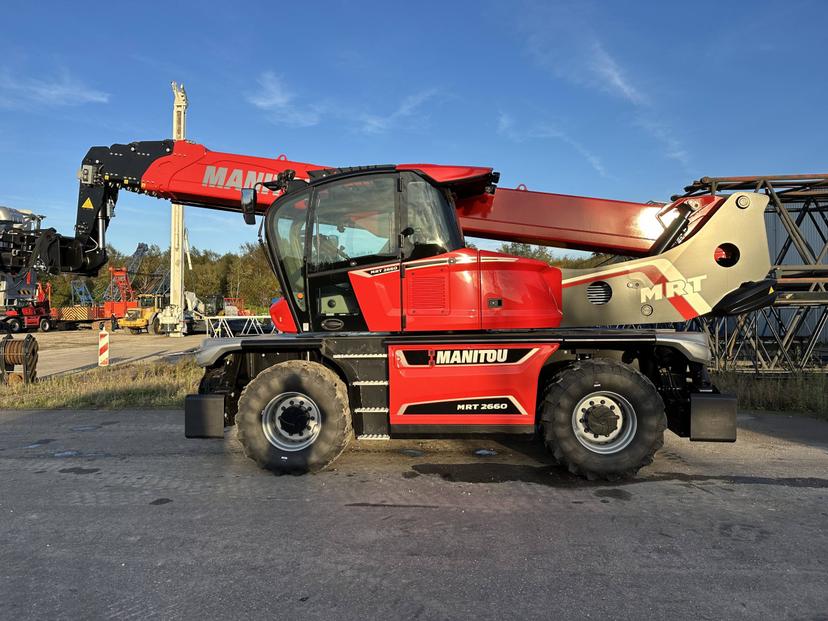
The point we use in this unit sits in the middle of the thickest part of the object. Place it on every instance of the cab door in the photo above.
(353, 254)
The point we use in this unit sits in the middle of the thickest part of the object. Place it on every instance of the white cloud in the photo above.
(663, 133)
(284, 107)
(611, 77)
(409, 107)
(507, 127)
(585, 61)
(561, 39)
(63, 90)
(280, 103)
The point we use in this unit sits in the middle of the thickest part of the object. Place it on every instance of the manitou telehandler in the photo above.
(391, 326)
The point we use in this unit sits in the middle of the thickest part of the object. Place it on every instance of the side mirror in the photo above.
(248, 205)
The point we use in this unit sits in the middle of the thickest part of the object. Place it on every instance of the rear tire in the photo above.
(154, 326)
(135, 330)
(625, 412)
(46, 325)
(294, 417)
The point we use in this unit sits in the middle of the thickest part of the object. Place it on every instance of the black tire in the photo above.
(316, 382)
(46, 325)
(15, 325)
(135, 330)
(626, 386)
(154, 326)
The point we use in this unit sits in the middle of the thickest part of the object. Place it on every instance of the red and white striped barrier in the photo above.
(103, 348)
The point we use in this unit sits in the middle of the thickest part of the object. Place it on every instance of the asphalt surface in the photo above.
(75, 350)
(116, 515)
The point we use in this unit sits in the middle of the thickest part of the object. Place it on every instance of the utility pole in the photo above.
(177, 221)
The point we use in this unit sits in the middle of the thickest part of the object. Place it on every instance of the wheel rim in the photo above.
(291, 421)
(604, 422)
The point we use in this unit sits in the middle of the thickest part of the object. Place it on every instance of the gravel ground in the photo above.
(116, 515)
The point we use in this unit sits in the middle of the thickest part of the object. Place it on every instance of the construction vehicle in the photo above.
(18, 291)
(144, 317)
(115, 300)
(34, 315)
(40, 314)
(391, 326)
(152, 315)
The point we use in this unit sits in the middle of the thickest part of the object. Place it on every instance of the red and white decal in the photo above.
(465, 384)
(667, 283)
(484, 406)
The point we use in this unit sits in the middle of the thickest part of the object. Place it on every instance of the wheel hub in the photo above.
(604, 422)
(291, 421)
(601, 420)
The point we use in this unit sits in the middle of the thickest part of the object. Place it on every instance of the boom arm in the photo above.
(578, 222)
(182, 171)
(190, 174)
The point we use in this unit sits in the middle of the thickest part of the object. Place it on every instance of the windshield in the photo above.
(355, 222)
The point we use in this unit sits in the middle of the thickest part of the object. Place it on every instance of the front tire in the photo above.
(294, 417)
(15, 325)
(154, 326)
(603, 419)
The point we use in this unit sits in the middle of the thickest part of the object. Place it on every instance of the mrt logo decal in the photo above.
(672, 289)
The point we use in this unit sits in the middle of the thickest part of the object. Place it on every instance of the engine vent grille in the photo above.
(427, 295)
(599, 293)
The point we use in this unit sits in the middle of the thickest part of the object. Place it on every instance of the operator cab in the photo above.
(358, 222)
(380, 250)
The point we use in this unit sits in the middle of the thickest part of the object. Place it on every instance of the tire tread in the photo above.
(249, 409)
(557, 390)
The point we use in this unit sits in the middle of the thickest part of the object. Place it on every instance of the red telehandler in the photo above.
(391, 326)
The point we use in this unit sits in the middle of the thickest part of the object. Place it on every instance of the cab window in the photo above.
(430, 222)
(354, 222)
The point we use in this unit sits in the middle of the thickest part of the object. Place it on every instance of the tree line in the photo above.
(244, 274)
(547, 255)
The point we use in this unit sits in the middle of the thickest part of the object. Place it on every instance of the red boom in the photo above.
(193, 174)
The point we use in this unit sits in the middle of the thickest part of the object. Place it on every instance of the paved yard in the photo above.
(116, 515)
(74, 350)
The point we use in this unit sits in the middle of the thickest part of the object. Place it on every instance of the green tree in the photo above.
(547, 255)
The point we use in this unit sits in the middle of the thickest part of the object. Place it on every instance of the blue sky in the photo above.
(627, 100)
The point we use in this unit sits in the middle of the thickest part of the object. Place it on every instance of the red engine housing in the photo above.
(462, 290)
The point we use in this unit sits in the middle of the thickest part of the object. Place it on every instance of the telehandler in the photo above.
(391, 326)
